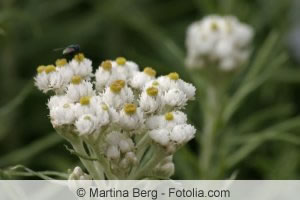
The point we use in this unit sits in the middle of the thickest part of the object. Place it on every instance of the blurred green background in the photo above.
(152, 33)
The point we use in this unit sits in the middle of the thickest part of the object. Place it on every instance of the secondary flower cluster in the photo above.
(219, 41)
(119, 115)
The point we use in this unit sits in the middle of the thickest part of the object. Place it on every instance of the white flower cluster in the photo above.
(116, 106)
(220, 41)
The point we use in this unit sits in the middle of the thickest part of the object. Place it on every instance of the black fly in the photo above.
(69, 50)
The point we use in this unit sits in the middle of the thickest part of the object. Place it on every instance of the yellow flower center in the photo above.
(169, 116)
(61, 62)
(117, 86)
(214, 26)
(76, 80)
(173, 76)
(104, 107)
(152, 91)
(85, 100)
(87, 118)
(149, 71)
(106, 65)
(79, 57)
(121, 61)
(130, 108)
(66, 105)
(120, 82)
(155, 83)
(50, 68)
(40, 69)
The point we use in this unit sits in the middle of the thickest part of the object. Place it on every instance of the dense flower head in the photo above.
(117, 106)
(220, 41)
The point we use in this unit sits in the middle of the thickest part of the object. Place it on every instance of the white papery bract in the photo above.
(86, 124)
(130, 118)
(117, 113)
(151, 100)
(75, 91)
(81, 66)
(168, 120)
(182, 133)
(50, 80)
(62, 115)
(139, 79)
(78, 174)
(220, 41)
(175, 98)
(106, 74)
(118, 146)
(57, 100)
(117, 99)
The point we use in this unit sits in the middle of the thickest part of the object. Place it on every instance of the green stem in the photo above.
(89, 165)
(104, 163)
(211, 122)
(146, 170)
(141, 146)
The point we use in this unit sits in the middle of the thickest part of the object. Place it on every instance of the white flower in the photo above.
(66, 73)
(48, 78)
(102, 114)
(41, 79)
(131, 118)
(79, 88)
(81, 66)
(86, 124)
(188, 89)
(175, 98)
(160, 136)
(166, 83)
(128, 68)
(64, 69)
(168, 120)
(217, 40)
(62, 114)
(150, 100)
(139, 79)
(106, 74)
(177, 135)
(57, 100)
(86, 105)
(117, 94)
(182, 133)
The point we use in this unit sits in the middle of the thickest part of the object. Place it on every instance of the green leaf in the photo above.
(253, 140)
(13, 104)
(31, 150)
(262, 56)
(80, 155)
(257, 119)
(20, 170)
(251, 85)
